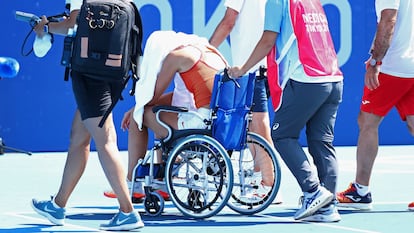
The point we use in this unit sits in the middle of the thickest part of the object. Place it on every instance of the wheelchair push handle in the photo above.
(227, 77)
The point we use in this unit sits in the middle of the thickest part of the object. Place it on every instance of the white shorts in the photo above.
(191, 120)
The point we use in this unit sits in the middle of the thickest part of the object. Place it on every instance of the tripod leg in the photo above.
(3, 148)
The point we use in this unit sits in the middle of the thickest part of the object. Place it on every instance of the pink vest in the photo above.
(316, 50)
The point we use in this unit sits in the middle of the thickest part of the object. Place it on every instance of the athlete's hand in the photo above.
(126, 119)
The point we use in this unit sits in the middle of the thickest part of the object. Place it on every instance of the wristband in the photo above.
(373, 62)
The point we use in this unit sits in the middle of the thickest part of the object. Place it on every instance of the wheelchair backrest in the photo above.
(231, 102)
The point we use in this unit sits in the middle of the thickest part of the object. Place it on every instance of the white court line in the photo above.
(284, 219)
(326, 225)
(52, 225)
(381, 171)
(375, 203)
(392, 203)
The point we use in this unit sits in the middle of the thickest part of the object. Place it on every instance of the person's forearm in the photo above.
(224, 28)
(261, 50)
(62, 28)
(385, 30)
(220, 34)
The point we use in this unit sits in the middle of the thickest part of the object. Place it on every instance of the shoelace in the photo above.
(301, 200)
(348, 190)
(321, 210)
(308, 201)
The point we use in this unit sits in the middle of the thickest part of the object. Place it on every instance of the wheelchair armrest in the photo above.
(168, 108)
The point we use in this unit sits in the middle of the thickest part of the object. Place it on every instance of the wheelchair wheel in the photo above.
(154, 204)
(250, 194)
(199, 176)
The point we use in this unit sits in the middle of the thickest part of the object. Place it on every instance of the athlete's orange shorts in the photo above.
(393, 91)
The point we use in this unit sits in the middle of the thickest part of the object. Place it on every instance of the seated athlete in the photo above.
(193, 63)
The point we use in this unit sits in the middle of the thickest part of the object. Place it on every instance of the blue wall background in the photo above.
(37, 106)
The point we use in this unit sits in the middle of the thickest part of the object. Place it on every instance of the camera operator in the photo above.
(79, 147)
(60, 28)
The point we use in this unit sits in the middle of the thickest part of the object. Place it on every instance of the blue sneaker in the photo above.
(313, 201)
(325, 214)
(50, 210)
(124, 222)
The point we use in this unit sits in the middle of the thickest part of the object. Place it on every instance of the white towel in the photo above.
(158, 46)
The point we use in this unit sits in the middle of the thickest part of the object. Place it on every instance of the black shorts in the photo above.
(260, 96)
(94, 96)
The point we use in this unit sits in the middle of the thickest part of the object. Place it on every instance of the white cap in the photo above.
(42, 45)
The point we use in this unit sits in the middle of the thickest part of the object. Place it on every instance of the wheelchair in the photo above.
(208, 169)
(198, 171)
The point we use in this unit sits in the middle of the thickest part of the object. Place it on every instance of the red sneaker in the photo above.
(109, 194)
(351, 198)
(137, 195)
(164, 195)
(411, 206)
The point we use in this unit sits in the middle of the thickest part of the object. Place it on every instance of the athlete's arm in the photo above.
(382, 41)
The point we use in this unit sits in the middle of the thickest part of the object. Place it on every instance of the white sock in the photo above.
(361, 189)
(55, 205)
(129, 183)
(124, 213)
(127, 213)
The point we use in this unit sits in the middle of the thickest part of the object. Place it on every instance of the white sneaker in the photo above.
(124, 222)
(313, 201)
(325, 214)
(258, 191)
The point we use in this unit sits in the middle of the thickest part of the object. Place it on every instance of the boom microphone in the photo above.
(9, 67)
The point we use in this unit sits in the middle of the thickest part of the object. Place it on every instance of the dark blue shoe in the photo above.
(124, 222)
(48, 210)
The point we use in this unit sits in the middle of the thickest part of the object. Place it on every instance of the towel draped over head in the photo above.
(158, 46)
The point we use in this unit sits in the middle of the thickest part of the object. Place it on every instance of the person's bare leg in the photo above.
(76, 160)
(410, 124)
(106, 144)
(260, 124)
(151, 122)
(137, 146)
(367, 147)
(138, 139)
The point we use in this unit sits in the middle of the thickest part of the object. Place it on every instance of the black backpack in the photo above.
(108, 40)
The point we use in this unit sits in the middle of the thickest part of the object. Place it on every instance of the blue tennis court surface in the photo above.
(24, 177)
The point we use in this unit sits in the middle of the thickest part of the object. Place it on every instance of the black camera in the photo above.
(34, 19)
(27, 17)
